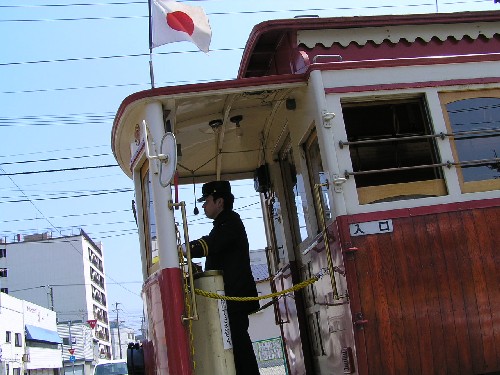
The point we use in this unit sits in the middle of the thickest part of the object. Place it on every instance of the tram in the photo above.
(374, 145)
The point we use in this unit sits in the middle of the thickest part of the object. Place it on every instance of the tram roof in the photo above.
(262, 45)
(194, 106)
(275, 65)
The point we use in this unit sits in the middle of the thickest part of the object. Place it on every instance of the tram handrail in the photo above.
(194, 315)
(392, 139)
(447, 164)
(422, 136)
(326, 240)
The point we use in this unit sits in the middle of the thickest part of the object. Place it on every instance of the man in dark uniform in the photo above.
(226, 248)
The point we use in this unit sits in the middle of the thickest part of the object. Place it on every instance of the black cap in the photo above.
(219, 187)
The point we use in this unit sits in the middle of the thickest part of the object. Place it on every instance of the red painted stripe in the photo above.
(419, 211)
(164, 296)
(411, 85)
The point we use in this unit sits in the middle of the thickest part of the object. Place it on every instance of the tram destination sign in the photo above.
(371, 227)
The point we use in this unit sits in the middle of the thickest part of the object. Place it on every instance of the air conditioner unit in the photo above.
(26, 357)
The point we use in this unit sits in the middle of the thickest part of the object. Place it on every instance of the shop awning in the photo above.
(41, 334)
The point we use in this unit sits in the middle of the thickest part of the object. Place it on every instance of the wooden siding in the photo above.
(430, 292)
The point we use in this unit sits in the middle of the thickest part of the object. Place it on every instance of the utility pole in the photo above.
(118, 327)
(71, 345)
(51, 295)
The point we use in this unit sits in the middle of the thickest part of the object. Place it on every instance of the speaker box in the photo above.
(261, 181)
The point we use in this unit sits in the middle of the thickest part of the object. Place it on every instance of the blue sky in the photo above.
(64, 70)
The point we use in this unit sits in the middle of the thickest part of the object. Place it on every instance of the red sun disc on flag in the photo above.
(180, 21)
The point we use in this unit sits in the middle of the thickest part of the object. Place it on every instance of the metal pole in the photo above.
(118, 326)
(71, 345)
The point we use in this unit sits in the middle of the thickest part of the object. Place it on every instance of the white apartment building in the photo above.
(64, 274)
(121, 336)
(29, 342)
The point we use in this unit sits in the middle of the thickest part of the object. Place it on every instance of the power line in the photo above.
(52, 151)
(73, 5)
(70, 197)
(208, 14)
(433, 4)
(59, 170)
(68, 216)
(114, 56)
(55, 159)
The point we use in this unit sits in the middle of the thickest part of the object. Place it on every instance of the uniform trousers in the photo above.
(244, 356)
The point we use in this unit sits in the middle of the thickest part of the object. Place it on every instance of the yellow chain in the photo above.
(296, 287)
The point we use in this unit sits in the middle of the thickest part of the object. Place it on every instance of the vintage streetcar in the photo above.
(374, 145)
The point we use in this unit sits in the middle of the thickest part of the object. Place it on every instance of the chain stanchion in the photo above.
(187, 292)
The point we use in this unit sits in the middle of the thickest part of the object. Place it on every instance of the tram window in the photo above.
(405, 162)
(474, 120)
(295, 193)
(150, 239)
(317, 177)
(277, 258)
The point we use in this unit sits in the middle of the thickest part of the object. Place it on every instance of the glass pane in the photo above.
(150, 220)
(474, 122)
(398, 120)
(318, 176)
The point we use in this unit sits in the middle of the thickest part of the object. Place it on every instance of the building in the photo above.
(264, 329)
(80, 349)
(121, 336)
(29, 342)
(65, 274)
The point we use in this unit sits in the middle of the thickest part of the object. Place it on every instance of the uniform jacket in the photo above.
(226, 248)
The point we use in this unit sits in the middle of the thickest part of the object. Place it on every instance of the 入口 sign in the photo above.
(371, 227)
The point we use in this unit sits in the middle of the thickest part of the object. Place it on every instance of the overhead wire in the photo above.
(123, 56)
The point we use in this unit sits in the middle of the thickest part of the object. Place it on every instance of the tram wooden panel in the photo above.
(431, 293)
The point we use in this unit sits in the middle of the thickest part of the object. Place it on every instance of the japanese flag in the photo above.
(175, 22)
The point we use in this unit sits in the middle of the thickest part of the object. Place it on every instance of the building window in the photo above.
(16, 371)
(3, 272)
(19, 340)
(4, 290)
(3, 253)
(393, 150)
(473, 119)
(8, 336)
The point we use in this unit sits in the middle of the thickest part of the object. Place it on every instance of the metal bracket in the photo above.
(337, 182)
(327, 118)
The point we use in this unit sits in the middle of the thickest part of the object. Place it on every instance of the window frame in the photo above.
(18, 340)
(447, 97)
(405, 188)
(146, 198)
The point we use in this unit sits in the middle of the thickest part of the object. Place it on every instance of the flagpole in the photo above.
(151, 71)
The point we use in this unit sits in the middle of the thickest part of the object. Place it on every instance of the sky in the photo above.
(65, 67)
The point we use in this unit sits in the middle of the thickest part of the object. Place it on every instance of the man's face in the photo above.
(213, 207)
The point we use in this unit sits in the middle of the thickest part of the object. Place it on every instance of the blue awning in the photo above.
(41, 334)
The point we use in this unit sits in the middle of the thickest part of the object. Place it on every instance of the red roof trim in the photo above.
(294, 24)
